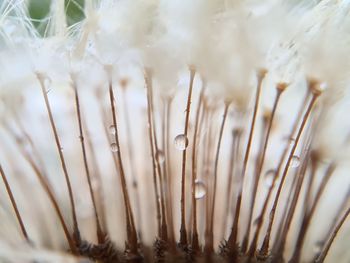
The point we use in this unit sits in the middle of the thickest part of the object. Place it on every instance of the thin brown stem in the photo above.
(131, 156)
(210, 244)
(183, 231)
(45, 184)
(261, 160)
(14, 204)
(234, 232)
(63, 162)
(309, 215)
(130, 226)
(100, 235)
(148, 80)
(265, 246)
(330, 241)
(195, 241)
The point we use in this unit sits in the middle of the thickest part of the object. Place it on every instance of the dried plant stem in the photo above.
(330, 241)
(131, 158)
(164, 226)
(282, 238)
(130, 225)
(236, 137)
(100, 234)
(309, 214)
(168, 172)
(195, 241)
(148, 80)
(233, 236)
(183, 232)
(261, 216)
(97, 175)
(14, 204)
(261, 160)
(63, 162)
(265, 246)
(46, 186)
(210, 240)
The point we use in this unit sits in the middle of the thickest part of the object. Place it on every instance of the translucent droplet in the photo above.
(114, 147)
(200, 189)
(112, 129)
(181, 142)
(290, 140)
(295, 162)
(269, 177)
(160, 156)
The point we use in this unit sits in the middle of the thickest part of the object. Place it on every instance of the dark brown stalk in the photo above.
(330, 241)
(130, 225)
(261, 216)
(309, 215)
(45, 184)
(97, 175)
(148, 80)
(265, 246)
(195, 241)
(282, 238)
(168, 172)
(236, 137)
(261, 159)
(63, 162)
(164, 227)
(183, 231)
(210, 240)
(131, 155)
(14, 204)
(100, 234)
(233, 236)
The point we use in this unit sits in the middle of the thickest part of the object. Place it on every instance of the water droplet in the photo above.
(181, 142)
(112, 129)
(200, 189)
(269, 177)
(160, 156)
(295, 162)
(114, 147)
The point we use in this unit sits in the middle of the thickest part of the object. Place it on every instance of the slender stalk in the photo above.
(330, 241)
(167, 172)
(195, 241)
(130, 225)
(210, 245)
(236, 134)
(234, 232)
(265, 246)
(183, 232)
(45, 184)
(63, 162)
(261, 216)
(148, 80)
(14, 205)
(308, 217)
(281, 87)
(100, 235)
(131, 155)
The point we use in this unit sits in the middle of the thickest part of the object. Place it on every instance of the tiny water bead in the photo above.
(295, 162)
(112, 129)
(160, 156)
(114, 147)
(181, 142)
(200, 189)
(269, 177)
